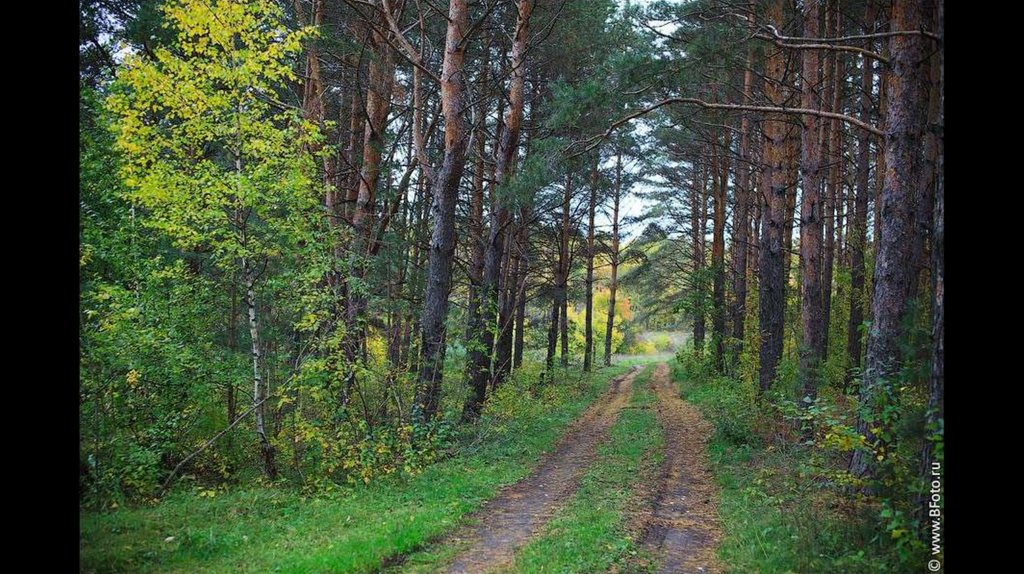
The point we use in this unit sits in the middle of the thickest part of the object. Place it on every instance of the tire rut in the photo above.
(681, 527)
(508, 521)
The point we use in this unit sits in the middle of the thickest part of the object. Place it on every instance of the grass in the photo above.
(259, 529)
(777, 514)
(589, 534)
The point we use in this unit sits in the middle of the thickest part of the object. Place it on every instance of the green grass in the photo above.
(589, 533)
(776, 514)
(280, 530)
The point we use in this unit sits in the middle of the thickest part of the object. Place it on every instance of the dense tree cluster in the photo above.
(315, 235)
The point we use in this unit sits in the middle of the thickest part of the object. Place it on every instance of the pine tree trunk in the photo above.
(588, 328)
(698, 210)
(613, 282)
(858, 234)
(792, 175)
(445, 194)
(721, 178)
(834, 183)
(506, 308)
(936, 383)
(520, 335)
(811, 303)
(482, 370)
(563, 267)
(771, 264)
(556, 308)
(741, 213)
(905, 129)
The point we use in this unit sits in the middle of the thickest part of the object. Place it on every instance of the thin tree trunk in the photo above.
(771, 265)
(741, 214)
(482, 369)
(259, 391)
(698, 210)
(614, 256)
(718, 250)
(475, 270)
(792, 175)
(556, 308)
(502, 364)
(858, 235)
(563, 270)
(233, 348)
(588, 328)
(520, 335)
(811, 303)
(832, 192)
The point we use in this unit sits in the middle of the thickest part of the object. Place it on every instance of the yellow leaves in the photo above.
(308, 322)
(132, 378)
(85, 255)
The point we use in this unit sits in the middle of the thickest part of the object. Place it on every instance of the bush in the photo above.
(662, 342)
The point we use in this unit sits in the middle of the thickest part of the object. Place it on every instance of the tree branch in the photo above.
(596, 140)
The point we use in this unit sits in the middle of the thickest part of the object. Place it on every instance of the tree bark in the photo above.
(698, 211)
(482, 366)
(588, 328)
(259, 391)
(475, 270)
(445, 194)
(563, 270)
(936, 412)
(614, 260)
(834, 186)
(556, 309)
(718, 250)
(905, 127)
(811, 303)
(524, 270)
(792, 175)
(858, 234)
(771, 266)
(741, 213)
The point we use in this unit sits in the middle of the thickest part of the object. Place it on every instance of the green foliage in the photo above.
(203, 149)
(353, 529)
(789, 502)
(599, 322)
(149, 370)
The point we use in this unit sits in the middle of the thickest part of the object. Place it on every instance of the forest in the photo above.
(524, 286)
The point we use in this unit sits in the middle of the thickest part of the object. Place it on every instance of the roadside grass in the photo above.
(777, 512)
(356, 529)
(590, 533)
